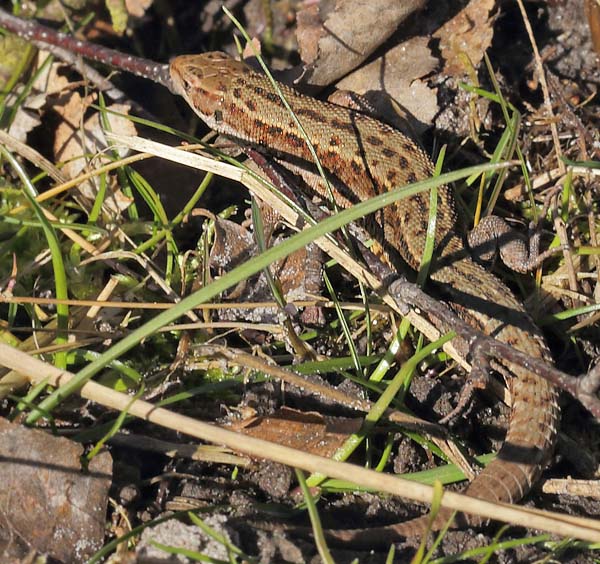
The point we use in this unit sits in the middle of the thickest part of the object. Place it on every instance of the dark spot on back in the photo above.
(309, 112)
(272, 97)
(275, 130)
(335, 141)
(251, 105)
(375, 141)
(237, 92)
(403, 162)
(388, 152)
(418, 201)
(411, 178)
(343, 125)
(356, 167)
(294, 140)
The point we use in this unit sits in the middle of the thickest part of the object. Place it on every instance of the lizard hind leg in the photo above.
(493, 236)
(478, 379)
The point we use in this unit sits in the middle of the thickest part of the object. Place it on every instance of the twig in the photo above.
(44, 37)
(544, 84)
(408, 296)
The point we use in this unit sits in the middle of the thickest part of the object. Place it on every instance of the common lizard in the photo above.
(363, 157)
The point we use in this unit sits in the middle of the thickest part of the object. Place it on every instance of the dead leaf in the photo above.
(78, 136)
(24, 122)
(397, 75)
(234, 244)
(251, 49)
(306, 431)
(465, 38)
(138, 8)
(336, 36)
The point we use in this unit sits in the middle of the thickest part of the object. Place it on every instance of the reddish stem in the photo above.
(43, 36)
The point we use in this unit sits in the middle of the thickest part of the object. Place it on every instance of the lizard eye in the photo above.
(218, 115)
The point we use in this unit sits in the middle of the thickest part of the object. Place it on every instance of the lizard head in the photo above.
(204, 80)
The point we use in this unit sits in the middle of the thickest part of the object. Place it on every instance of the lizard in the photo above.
(363, 157)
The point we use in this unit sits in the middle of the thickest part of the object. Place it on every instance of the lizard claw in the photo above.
(478, 379)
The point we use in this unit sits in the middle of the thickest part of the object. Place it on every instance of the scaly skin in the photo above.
(363, 157)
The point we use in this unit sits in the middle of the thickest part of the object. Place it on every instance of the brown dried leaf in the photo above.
(465, 38)
(233, 244)
(23, 123)
(138, 8)
(48, 503)
(336, 36)
(77, 136)
(396, 75)
(53, 79)
(305, 431)
(251, 49)
(299, 274)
